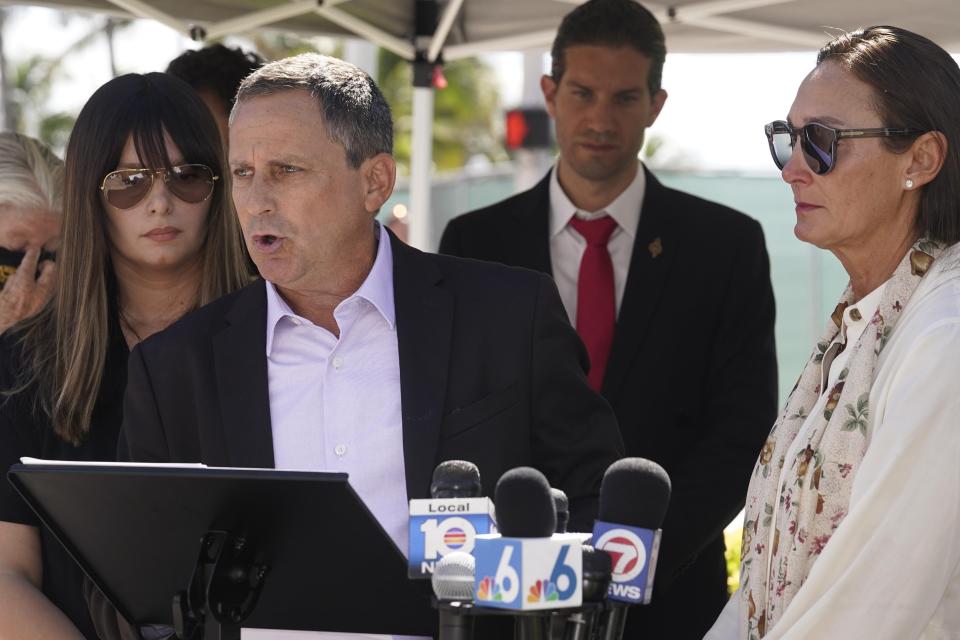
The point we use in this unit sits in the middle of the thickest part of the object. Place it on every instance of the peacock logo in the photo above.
(489, 590)
(543, 591)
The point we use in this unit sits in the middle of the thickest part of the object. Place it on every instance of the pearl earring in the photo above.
(908, 184)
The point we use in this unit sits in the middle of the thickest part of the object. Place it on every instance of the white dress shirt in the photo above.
(567, 246)
(335, 402)
(891, 571)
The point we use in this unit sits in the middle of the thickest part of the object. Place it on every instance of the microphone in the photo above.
(527, 567)
(597, 567)
(562, 506)
(452, 582)
(450, 520)
(634, 497)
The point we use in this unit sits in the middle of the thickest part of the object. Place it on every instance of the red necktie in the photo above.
(596, 303)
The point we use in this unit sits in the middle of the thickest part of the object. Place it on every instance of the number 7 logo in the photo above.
(627, 551)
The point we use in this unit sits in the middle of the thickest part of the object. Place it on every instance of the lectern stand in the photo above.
(211, 549)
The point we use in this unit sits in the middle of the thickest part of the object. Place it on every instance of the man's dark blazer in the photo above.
(692, 372)
(490, 371)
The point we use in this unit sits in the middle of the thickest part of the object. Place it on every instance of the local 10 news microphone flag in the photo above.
(450, 520)
(527, 566)
(634, 497)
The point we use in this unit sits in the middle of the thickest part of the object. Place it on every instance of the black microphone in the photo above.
(562, 506)
(525, 508)
(634, 497)
(452, 582)
(455, 479)
(597, 566)
(524, 504)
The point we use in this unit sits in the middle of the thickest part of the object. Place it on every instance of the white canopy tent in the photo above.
(430, 31)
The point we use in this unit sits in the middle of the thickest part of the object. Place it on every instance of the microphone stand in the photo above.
(616, 621)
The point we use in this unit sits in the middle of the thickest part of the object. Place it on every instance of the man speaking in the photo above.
(357, 353)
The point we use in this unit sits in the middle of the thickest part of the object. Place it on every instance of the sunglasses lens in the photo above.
(780, 139)
(782, 146)
(191, 183)
(817, 144)
(127, 187)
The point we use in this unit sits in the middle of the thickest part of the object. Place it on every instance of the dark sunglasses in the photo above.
(126, 188)
(818, 142)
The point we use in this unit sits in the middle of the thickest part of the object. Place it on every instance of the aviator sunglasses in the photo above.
(126, 188)
(819, 142)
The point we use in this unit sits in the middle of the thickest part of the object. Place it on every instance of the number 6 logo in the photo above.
(507, 577)
(627, 551)
(563, 576)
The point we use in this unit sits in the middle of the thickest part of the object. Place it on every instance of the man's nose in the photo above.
(600, 116)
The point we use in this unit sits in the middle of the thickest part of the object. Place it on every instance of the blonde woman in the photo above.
(31, 187)
(148, 234)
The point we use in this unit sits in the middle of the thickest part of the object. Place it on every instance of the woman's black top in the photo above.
(25, 432)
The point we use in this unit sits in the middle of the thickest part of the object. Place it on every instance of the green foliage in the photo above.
(466, 112)
(733, 540)
(31, 82)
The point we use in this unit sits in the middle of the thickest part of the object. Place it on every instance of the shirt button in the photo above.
(297, 321)
(340, 450)
(337, 362)
(855, 315)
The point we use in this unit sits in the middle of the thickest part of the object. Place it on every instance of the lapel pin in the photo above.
(655, 247)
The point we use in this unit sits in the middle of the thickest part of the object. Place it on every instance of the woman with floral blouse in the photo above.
(852, 523)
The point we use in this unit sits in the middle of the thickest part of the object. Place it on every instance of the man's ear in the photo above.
(657, 101)
(379, 177)
(926, 158)
(549, 87)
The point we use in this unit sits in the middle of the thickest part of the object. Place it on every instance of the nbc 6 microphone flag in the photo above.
(634, 554)
(442, 525)
(528, 573)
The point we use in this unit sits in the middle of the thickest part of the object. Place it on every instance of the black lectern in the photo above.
(211, 548)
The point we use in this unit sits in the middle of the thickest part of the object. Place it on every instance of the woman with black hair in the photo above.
(148, 234)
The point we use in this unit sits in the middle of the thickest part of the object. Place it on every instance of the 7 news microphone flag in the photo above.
(634, 497)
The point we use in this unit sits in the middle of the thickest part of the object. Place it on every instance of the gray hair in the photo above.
(354, 111)
(31, 175)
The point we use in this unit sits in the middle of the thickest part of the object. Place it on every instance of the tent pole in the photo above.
(421, 163)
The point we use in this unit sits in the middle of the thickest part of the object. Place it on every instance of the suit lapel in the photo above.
(241, 369)
(424, 329)
(654, 248)
(531, 232)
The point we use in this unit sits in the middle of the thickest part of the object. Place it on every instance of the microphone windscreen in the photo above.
(524, 504)
(453, 577)
(635, 492)
(597, 571)
(455, 479)
(562, 506)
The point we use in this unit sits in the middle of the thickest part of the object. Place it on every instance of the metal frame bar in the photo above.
(365, 30)
(508, 43)
(260, 18)
(139, 9)
(443, 29)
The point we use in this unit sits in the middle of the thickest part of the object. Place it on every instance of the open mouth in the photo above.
(267, 243)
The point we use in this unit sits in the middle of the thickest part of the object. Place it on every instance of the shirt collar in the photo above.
(857, 316)
(377, 289)
(625, 209)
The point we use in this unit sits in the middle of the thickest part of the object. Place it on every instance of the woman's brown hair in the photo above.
(916, 85)
(65, 345)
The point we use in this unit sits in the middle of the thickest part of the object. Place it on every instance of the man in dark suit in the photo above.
(357, 353)
(673, 300)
